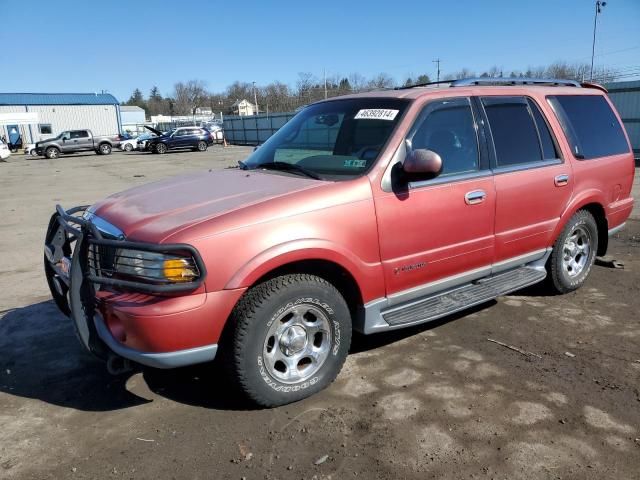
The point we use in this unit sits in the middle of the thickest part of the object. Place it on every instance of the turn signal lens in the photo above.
(179, 270)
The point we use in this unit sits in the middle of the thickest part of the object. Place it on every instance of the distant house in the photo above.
(204, 111)
(243, 107)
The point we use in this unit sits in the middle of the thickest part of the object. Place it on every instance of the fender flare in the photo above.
(299, 250)
(585, 197)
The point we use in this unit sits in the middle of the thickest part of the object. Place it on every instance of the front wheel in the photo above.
(574, 253)
(287, 339)
(52, 152)
(128, 147)
(161, 148)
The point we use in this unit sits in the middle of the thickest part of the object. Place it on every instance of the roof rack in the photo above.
(466, 82)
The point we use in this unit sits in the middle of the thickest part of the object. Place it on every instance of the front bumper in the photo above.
(147, 324)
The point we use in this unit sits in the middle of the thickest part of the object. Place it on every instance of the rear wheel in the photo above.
(574, 253)
(105, 149)
(287, 339)
(161, 148)
(52, 152)
(202, 146)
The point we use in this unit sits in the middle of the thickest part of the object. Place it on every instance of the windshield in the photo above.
(335, 140)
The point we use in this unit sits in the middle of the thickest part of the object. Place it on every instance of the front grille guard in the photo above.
(89, 236)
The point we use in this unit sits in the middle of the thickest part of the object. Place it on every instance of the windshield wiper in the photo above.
(289, 166)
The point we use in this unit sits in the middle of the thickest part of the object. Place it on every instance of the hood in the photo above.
(155, 211)
(153, 130)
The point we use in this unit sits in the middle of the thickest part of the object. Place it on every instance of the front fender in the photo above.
(368, 276)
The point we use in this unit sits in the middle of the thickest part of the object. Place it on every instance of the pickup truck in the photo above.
(367, 213)
(73, 141)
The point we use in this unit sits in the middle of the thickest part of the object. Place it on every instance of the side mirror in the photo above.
(422, 163)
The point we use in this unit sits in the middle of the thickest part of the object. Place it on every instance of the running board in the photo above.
(465, 296)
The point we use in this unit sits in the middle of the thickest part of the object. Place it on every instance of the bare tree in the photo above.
(189, 96)
(382, 80)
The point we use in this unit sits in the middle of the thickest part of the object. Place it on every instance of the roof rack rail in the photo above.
(467, 82)
(423, 84)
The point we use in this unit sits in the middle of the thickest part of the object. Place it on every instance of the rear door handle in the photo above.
(561, 180)
(474, 197)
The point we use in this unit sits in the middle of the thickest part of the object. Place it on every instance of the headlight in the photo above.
(155, 267)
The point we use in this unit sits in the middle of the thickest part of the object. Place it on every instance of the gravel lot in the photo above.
(439, 401)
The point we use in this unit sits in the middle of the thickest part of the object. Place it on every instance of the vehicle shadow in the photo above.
(41, 358)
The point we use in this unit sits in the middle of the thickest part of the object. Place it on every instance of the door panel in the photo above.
(433, 229)
(434, 233)
(528, 208)
(533, 185)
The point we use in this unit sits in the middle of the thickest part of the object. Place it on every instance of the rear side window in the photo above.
(590, 125)
(513, 129)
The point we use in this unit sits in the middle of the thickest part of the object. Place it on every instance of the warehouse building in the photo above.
(626, 97)
(30, 117)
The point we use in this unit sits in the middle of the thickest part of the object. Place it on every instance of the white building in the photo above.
(36, 116)
(243, 107)
(132, 119)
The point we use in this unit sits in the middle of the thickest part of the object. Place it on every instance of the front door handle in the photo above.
(474, 197)
(561, 180)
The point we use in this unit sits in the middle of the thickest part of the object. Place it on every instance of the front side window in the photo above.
(513, 129)
(590, 125)
(447, 127)
(79, 134)
(333, 140)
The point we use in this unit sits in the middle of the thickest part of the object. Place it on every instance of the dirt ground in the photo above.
(439, 401)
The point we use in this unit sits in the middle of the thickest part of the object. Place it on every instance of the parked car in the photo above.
(194, 138)
(129, 144)
(30, 149)
(369, 212)
(141, 140)
(5, 152)
(216, 131)
(72, 141)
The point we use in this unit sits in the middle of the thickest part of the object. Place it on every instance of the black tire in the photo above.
(104, 149)
(565, 275)
(247, 338)
(52, 152)
(160, 148)
(202, 146)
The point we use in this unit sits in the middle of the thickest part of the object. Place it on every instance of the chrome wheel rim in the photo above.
(576, 251)
(297, 344)
(160, 148)
(128, 148)
(105, 149)
(202, 146)
(53, 153)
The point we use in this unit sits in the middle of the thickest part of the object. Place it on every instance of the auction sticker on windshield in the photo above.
(376, 114)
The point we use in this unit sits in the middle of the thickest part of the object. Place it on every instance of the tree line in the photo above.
(187, 97)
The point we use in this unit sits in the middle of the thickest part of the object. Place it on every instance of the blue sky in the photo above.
(87, 46)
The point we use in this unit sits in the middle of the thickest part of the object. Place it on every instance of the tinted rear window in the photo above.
(590, 125)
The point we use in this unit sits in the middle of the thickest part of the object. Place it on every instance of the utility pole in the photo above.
(437, 62)
(325, 83)
(255, 98)
(599, 6)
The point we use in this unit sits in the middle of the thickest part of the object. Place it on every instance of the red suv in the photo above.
(368, 212)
